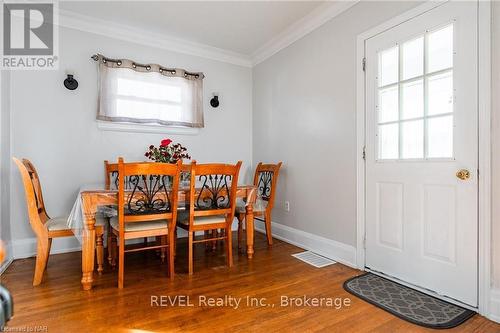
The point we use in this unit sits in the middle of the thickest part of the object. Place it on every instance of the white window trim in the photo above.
(145, 128)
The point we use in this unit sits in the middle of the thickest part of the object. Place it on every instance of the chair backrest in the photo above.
(217, 192)
(266, 180)
(34, 198)
(151, 194)
(110, 174)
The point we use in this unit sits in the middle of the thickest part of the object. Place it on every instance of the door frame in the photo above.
(484, 140)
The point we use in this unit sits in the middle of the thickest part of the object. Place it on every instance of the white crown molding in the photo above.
(294, 32)
(299, 29)
(85, 23)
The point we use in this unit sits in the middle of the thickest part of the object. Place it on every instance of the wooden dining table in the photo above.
(93, 198)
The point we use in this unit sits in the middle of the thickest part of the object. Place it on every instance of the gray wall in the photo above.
(56, 129)
(304, 101)
(5, 133)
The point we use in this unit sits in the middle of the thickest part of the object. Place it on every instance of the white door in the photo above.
(421, 130)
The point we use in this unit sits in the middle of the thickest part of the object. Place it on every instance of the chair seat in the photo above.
(61, 222)
(139, 226)
(259, 206)
(183, 217)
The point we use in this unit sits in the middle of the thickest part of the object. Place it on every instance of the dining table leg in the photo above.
(100, 253)
(88, 247)
(250, 231)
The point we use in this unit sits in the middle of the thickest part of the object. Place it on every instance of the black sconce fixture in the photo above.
(214, 102)
(71, 83)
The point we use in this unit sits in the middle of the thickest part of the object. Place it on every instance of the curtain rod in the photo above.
(147, 67)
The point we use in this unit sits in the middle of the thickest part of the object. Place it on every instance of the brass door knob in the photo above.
(463, 174)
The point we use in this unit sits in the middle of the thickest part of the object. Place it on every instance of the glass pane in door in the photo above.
(440, 137)
(413, 58)
(412, 99)
(388, 66)
(412, 139)
(440, 49)
(388, 141)
(388, 100)
(440, 93)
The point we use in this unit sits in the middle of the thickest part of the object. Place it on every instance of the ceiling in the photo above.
(237, 26)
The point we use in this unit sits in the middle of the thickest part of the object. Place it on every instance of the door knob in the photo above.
(463, 174)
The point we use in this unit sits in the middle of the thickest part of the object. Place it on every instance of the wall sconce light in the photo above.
(214, 102)
(71, 83)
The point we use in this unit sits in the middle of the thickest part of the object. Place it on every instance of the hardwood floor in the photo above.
(60, 305)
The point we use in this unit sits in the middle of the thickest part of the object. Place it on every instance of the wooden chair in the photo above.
(110, 174)
(46, 228)
(266, 180)
(110, 171)
(111, 181)
(146, 208)
(212, 206)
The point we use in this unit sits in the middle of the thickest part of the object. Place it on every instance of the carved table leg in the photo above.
(88, 247)
(215, 233)
(163, 242)
(114, 250)
(110, 249)
(100, 253)
(249, 225)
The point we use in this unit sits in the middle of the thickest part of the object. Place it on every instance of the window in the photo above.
(149, 94)
(415, 98)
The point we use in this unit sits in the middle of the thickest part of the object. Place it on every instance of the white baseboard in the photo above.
(340, 252)
(328, 248)
(5, 265)
(494, 309)
(26, 248)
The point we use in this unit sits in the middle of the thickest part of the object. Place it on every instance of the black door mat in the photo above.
(406, 303)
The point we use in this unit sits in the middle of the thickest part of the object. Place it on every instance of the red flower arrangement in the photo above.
(167, 152)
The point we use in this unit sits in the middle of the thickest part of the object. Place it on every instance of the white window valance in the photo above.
(130, 92)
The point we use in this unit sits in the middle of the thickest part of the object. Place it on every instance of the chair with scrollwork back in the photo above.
(111, 182)
(266, 180)
(44, 227)
(110, 176)
(211, 206)
(147, 207)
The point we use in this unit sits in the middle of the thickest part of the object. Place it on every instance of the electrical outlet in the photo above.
(287, 206)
